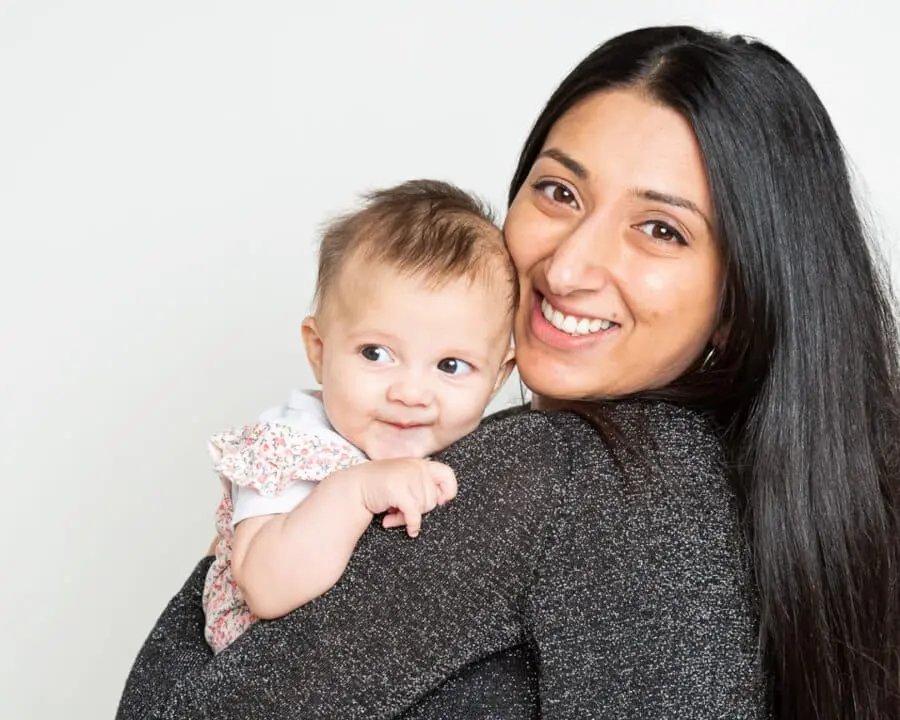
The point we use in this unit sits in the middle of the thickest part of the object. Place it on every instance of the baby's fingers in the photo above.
(412, 515)
(444, 479)
(393, 519)
(430, 493)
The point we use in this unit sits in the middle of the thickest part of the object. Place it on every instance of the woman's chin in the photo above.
(549, 379)
(547, 383)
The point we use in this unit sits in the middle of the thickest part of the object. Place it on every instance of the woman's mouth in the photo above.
(564, 330)
(573, 324)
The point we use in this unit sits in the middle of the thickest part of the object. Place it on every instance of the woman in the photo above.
(713, 531)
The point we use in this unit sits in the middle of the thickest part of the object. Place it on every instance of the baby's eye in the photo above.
(375, 353)
(454, 366)
(661, 232)
(557, 192)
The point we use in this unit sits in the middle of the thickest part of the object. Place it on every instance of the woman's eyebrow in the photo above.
(567, 161)
(674, 200)
(580, 171)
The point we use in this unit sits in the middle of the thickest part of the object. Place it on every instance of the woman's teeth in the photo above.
(571, 324)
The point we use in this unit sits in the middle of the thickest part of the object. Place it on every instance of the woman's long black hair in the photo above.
(805, 387)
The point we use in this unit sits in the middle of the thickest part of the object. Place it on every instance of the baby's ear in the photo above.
(312, 341)
(506, 367)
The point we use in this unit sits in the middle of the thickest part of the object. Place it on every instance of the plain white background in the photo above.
(164, 168)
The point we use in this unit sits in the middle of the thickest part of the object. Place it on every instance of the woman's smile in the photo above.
(549, 325)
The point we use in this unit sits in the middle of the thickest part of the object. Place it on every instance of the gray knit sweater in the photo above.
(565, 581)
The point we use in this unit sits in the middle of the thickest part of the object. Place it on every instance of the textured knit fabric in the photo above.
(267, 458)
(565, 581)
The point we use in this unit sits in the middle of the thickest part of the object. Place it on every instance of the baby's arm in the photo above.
(281, 562)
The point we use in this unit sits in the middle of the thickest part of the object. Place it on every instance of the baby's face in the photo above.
(407, 369)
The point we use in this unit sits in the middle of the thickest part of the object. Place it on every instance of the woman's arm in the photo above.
(174, 649)
(407, 614)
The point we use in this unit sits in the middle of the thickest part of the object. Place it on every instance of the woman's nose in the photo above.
(582, 260)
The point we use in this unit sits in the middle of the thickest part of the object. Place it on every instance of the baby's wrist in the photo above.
(365, 495)
(357, 486)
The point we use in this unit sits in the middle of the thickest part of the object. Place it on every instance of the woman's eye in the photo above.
(557, 192)
(454, 366)
(375, 353)
(661, 232)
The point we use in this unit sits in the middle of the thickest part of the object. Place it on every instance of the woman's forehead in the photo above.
(624, 138)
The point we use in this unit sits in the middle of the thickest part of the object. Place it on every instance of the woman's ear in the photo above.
(312, 341)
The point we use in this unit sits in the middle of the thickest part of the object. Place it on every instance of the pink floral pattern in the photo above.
(268, 457)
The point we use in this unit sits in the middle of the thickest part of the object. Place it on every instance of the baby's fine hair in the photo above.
(422, 228)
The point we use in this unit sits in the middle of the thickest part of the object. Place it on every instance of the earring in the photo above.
(709, 360)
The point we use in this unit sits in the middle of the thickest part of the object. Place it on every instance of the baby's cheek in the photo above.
(468, 417)
(345, 418)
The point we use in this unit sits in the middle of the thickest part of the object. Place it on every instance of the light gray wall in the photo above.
(163, 169)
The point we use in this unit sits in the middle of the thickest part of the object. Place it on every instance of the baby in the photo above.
(409, 341)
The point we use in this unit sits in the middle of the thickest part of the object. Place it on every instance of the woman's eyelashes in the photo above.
(661, 232)
(557, 192)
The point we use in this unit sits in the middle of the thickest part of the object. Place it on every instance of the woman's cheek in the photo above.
(522, 235)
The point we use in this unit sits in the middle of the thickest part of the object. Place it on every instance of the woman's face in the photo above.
(612, 238)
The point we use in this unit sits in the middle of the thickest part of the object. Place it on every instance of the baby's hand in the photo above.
(406, 489)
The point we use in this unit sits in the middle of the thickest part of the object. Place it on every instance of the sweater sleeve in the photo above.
(644, 606)
(175, 648)
(406, 615)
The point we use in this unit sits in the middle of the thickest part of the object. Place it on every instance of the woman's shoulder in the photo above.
(643, 431)
(623, 441)
(667, 453)
(512, 411)
(512, 438)
(659, 473)
(652, 445)
(654, 429)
